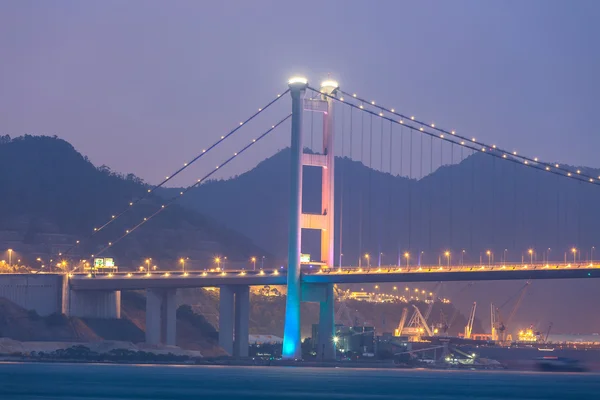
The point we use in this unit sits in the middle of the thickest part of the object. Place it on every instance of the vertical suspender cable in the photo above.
(390, 193)
(472, 197)
(452, 178)
(361, 183)
(420, 183)
(341, 212)
(369, 205)
(430, 191)
(410, 192)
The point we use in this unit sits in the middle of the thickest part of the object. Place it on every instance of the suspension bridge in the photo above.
(406, 144)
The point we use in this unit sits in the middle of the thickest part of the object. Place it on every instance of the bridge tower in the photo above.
(324, 221)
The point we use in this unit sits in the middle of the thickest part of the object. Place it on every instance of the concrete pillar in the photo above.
(226, 304)
(242, 319)
(327, 187)
(326, 347)
(291, 335)
(161, 316)
(153, 315)
(95, 304)
(169, 317)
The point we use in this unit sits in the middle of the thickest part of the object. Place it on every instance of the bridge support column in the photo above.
(291, 334)
(226, 294)
(242, 318)
(161, 316)
(234, 312)
(323, 294)
(327, 325)
(95, 304)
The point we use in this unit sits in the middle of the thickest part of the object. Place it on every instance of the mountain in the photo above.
(481, 203)
(478, 204)
(53, 196)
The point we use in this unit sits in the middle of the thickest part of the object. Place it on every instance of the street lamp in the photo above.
(182, 261)
(489, 254)
(447, 254)
(462, 257)
(574, 251)
(218, 261)
(530, 251)
(368, 260)
(407, 256)
(253, 259)
(592, 254)
(505, 251)
(262, 263)
(148, 264)
(10, 257)
(548, 250)
(379, 260)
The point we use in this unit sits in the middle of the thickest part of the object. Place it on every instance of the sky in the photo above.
(143, 86)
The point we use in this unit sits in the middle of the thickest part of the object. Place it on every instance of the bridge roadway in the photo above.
(344, 275)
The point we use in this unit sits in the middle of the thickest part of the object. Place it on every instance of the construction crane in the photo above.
(402, 322)
(494, 321)
(548, 332)
(502, 324)
(436, 290)
(469, 327)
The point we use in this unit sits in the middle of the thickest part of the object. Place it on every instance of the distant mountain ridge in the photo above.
(481, 203)
(48, 188)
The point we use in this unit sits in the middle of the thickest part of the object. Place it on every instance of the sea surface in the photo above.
(109, 381)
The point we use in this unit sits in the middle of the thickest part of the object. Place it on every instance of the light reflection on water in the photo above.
(105, 381)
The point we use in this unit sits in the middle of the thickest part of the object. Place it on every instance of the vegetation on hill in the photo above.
(49, 188)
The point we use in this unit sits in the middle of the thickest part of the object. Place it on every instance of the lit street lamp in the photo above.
(407, 256)
(530, 251)
(574, 250)
(218, 261)
(462, 257)
(148, 264)
(592, 254)
(10, 257)
(447, 254)
(253, 259)
(505, 251)
(489, 254)
(548, 250)
(182, 261)
(368, 260)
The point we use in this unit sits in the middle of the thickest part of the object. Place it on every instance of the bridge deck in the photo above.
(344, 275)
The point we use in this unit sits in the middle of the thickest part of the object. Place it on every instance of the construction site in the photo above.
(428, 334)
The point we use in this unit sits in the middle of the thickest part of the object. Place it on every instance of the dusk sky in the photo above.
(142, 86)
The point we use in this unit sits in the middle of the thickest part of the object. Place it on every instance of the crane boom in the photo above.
(422, 321)
(469, 327)
(517, 303)
(402, 322)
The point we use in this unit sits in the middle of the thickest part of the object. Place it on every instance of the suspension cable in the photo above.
(177, 172)
(550, 167)
(197, 183)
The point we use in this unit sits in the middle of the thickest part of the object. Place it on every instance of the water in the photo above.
(19, 381)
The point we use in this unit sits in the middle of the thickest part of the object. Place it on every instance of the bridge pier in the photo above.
(234, 316)
(95, 303)
(161, 316)
(323, 294)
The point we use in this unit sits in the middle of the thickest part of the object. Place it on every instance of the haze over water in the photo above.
(20, 381)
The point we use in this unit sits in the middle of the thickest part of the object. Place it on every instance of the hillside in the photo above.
(481, 203)
(52, 196)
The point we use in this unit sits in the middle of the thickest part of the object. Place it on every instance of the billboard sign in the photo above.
(304, 258)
